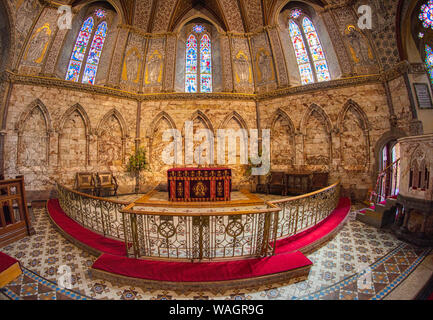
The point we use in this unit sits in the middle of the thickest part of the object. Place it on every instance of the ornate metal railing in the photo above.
(303, 212)
(95, 213)
(199, 234)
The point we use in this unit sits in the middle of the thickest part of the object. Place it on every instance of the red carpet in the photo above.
(309, 236)
(6, 262)
(83, 235)
(374, 207)
(200, 272)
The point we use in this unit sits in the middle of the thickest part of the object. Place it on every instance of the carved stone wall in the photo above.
(334, 130)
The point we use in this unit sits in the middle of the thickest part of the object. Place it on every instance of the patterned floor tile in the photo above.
(334, 275)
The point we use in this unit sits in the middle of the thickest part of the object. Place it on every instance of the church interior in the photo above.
(216, 150)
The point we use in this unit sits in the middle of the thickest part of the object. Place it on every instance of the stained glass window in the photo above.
(100, 13)
(79, 50)
(205, 64)
(198, 68)
(308, 50)
(426, 15)
(296, 13)
(95, 54)
(83, 54)
(301, 53)
(322, 71)
(429, 61)
(191, 65)
(198, 29)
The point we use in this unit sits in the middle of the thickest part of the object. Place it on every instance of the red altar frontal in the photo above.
(199, 184)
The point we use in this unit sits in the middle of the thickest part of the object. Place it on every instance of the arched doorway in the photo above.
(388, 181)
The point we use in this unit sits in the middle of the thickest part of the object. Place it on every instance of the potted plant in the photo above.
(136, 164)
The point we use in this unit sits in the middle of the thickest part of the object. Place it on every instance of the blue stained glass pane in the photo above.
(191, 83)
(73, 71)
(306, 73)
(198, 29)
(191, 65)
(322, 71)
(90, 74)
(308, 25)
(206, 83)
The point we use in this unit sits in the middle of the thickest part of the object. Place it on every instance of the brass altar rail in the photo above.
(305, 211)
(196, 236)
(101, 215)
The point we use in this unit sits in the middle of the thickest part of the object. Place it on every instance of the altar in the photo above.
(199, 184)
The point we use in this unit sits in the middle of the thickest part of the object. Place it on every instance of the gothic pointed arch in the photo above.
(36, 104)
(315, 108)
(352, 105)
(353, 131)
(80, 110)
(156, 121)
(280, 113)
(237, 117)
(199, 115)
(316, 129)
(283, 152)
(74, 138)
(34, 129)
(112, 132)
(115, 113)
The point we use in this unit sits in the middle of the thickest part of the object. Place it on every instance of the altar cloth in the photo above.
(199, 184)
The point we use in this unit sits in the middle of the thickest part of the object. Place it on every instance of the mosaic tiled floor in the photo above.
(338, 267)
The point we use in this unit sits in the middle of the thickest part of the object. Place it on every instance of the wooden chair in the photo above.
(319, 180)
(277, 183)
(106, 181)
(85, 182)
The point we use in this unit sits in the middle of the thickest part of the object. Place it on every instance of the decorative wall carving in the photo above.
(112, 134)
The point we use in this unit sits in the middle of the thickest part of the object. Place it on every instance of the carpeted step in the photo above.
(84, 236)
(316, 233)
(9, 269)
(202, 271)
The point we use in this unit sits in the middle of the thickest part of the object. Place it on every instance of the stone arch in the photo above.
(155, 122)
(82, 134)
(237, 117)
(204, 118)
(112, 142)
(282, 127)
(386, 138)
(317, 138)
(355, 156)
(315, 108)
(36, 138)
(161, 122)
